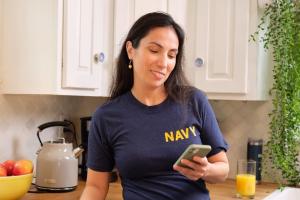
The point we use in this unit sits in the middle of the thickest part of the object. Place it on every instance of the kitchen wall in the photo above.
(240, 120)
(20, 115)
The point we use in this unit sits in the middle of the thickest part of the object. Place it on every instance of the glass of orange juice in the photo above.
(246, 179)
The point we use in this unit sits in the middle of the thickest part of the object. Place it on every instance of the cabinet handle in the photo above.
(99, 57)
(199, 62)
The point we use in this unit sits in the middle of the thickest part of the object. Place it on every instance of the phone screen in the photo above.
(193, 150)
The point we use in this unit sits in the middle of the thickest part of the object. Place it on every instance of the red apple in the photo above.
(22, 167)
(3, 171)
(9, 165)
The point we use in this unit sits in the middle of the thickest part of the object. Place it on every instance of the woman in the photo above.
(150, 119)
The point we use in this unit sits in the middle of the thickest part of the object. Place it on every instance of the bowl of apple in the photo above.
(15, 179)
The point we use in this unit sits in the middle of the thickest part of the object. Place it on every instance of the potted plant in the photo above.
(281, 24)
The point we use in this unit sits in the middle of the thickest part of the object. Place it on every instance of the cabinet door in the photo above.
(81, 22)
(39, 37)
(127, 12)
(221, 46)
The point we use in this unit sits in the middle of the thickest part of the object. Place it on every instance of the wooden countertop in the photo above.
(220, 191)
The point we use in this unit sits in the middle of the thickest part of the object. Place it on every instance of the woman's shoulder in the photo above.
(197, 94)
(111, 106)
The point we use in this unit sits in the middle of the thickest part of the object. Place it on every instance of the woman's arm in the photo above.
(213, 170)
(218, 168)
(96, 187)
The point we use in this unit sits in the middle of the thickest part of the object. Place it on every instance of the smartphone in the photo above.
(193, 150)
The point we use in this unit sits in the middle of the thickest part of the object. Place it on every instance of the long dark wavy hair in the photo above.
(176, 85)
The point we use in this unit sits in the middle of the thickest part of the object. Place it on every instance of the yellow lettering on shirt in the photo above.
(181, 134)
(185, 133)
(178, 136)
(169, 136)
(193, 130)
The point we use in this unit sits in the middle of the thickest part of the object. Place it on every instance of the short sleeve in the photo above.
(100, 154)
(211, 133)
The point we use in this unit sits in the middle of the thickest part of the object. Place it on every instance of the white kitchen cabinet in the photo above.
(220, 60)
(56, 47)
(128, 11)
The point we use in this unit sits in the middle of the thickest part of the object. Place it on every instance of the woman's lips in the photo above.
(158, 74)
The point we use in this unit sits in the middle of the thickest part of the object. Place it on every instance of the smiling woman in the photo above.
(153, 61)
(139, 39)
(153, 115)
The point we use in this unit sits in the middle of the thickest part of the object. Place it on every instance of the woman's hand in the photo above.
(213, 169)
(195, 169)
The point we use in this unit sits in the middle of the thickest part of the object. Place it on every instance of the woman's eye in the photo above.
(153, 50)
(172, 56)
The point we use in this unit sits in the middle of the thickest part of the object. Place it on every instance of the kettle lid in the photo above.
(58, 141)
(64, 124)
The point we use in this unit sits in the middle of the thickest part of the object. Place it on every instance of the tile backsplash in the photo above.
(240, 120)
(20, 115)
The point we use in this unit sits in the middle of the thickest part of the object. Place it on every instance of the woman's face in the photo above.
(155, 57)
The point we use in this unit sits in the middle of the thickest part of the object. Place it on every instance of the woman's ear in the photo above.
(129, 49)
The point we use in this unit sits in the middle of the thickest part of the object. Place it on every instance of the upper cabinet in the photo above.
(128, 11)
(56, 47)
(69, 46)
(220, 59)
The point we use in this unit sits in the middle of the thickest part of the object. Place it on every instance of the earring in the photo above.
(130, 64)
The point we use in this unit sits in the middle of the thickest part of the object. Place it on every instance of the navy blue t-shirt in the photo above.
(143, 142)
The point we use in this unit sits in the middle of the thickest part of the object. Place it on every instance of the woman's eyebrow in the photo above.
(157, 44)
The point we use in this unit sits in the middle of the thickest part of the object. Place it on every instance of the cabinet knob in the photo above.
(99, 57)
(199, 62)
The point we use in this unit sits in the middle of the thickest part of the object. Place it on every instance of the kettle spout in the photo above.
(78, 151)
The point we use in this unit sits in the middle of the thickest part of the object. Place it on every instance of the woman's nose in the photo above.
(163, 61)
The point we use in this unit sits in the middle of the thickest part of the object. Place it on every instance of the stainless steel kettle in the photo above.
(57, 162)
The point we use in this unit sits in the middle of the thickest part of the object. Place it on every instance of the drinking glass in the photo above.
(245, 179)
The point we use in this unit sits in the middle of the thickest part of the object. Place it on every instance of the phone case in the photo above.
(193, 150)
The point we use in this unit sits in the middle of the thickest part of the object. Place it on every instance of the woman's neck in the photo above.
(149, 97)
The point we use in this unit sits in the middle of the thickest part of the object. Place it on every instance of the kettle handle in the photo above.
(41, 127)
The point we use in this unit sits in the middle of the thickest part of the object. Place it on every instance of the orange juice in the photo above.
(245, 185)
